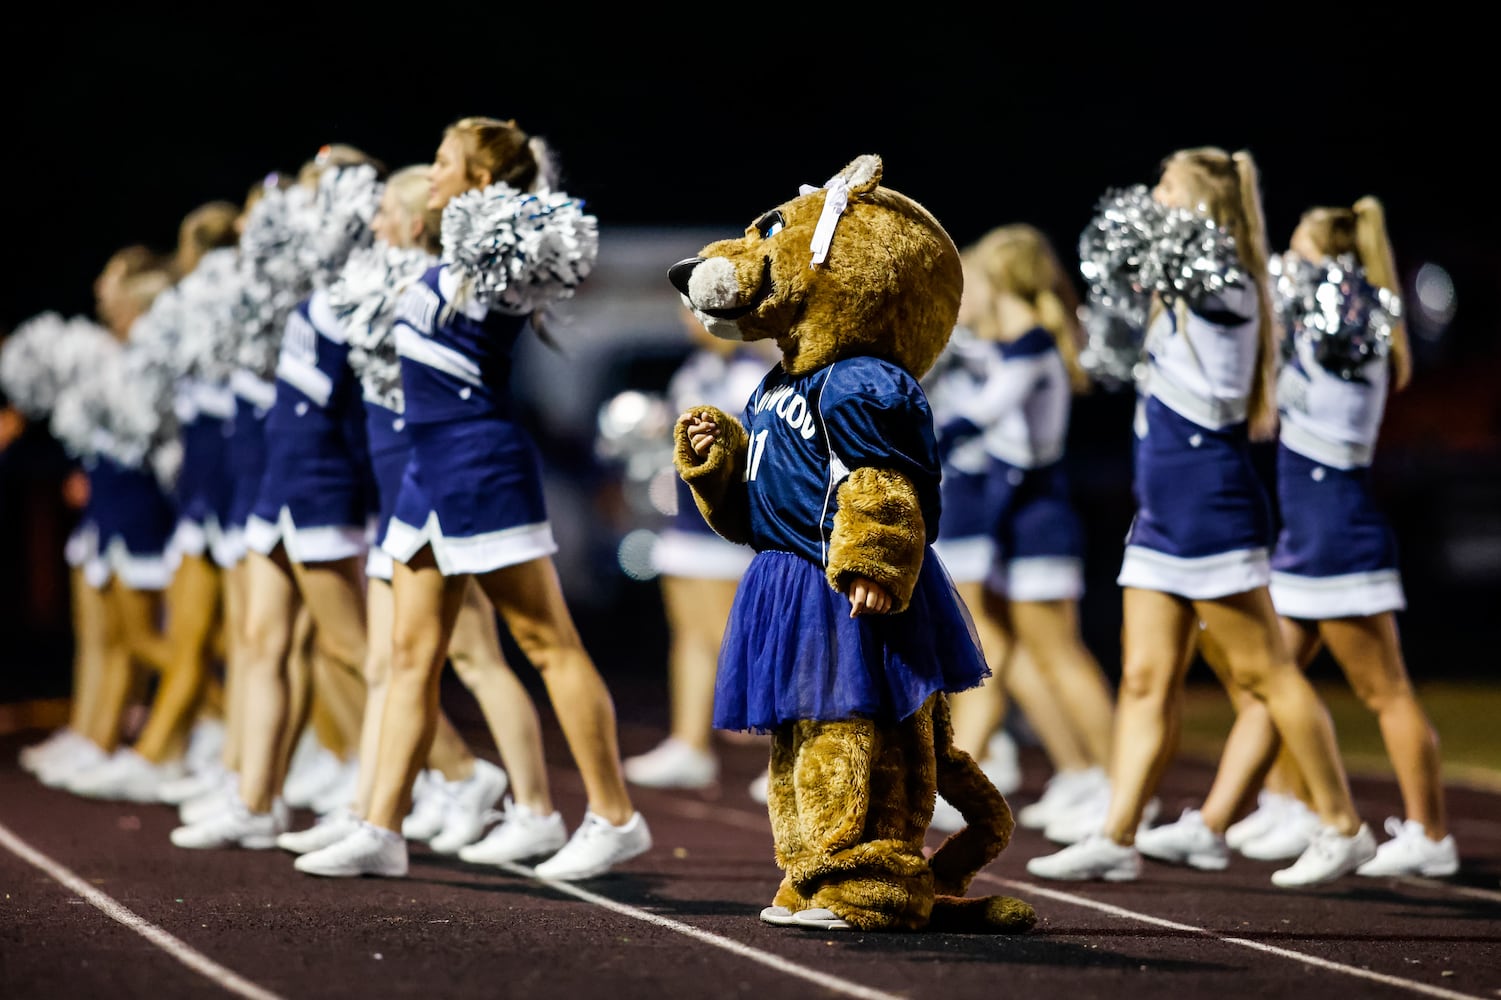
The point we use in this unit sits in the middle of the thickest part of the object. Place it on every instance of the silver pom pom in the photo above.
(1331, 308)
(1133, 247)
(272, 278)
(519, 252)
(364, 298)
(45, 354)
(209, 336)
(336, 222)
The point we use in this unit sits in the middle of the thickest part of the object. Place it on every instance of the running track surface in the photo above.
(96, 902)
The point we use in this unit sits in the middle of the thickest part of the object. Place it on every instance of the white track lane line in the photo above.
(1032, 889)
(179, 950)
(776, 962)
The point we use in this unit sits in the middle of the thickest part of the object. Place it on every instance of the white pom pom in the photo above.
(519, 252)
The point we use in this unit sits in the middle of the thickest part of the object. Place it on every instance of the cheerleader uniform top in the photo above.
(1023, 411)
(957, 376)
(472, 488)
(688, 547)
(312, 495)
(1203, 522)
(791, 650)
(1336, 554)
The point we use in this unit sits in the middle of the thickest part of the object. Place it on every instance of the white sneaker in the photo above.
(1289, 838)
(212, 801)
(57, 741)
(520, 834)
(205, 744)
(1270, 807)
(1094, 857)
(1002, 763)
(1412, 852)
(757, 789)
(313, 769)
(339, 793)
(1064, 791)
(946, 818)
(1185, 841)
(1088, 817)
(672, 764)
(367, 850)
(191, 785)
(429, 806)
(330, 828)
(125, 776)
(1329, 856)
(236, 826)
(596, 847)
(57, 769)
(470, 804)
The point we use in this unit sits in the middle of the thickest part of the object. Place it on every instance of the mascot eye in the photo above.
(770, 224)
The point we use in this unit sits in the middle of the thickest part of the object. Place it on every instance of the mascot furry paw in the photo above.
(846, 634)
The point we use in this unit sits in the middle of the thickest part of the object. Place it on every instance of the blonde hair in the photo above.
(500, 148)
(205, 228)
(1361, 230)
(1018, 259)
(335, 155)
(1227, 187)
(411, 185)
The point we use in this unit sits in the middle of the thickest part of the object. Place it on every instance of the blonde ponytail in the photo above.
(1252, 248)
(1374, 248)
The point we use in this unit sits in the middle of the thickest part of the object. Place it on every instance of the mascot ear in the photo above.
(863, 174)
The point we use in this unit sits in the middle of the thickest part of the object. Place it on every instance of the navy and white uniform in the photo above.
(1023, 411)
(472, 489)
(1203, 523)
(1336, 554)
(313, 493)
(688, 547)
(791, 650)
(134, 518)
(246, 457)
(964, 540)
(205, 415)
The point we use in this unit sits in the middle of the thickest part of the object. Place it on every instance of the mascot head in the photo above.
(851, 268)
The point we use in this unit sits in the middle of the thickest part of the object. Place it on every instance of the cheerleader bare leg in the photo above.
(979, 711)
(88, 650)
(475, 652)
(1049, 630)
(194, 601)
(1246, 627)
(697, 610)
(425, 607)
(529, 597)
(271, 607)
(1369, 652)
(1156, 649)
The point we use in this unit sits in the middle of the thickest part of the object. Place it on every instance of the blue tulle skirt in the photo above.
(791, 650)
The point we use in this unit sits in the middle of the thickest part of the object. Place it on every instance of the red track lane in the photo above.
(680, 922)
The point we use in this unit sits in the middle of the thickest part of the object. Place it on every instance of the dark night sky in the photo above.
(674, 116)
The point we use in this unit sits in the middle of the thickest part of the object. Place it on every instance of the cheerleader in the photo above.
(116, 419)
(458, 790)
(305, 530)
(471, 502)
(181, 730)
(1013, 535)
(1335, 579)
(38, 359)
(1197, 549)
(698, 572)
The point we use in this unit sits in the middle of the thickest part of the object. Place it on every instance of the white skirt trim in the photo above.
(229, 550)
(138, 572)
(1038, 578)
(378, 564)
(473, 554)
(82, 546)
(700, 557)
(326, 543)
(967, 559)
(1353, 595)
(1203, 578)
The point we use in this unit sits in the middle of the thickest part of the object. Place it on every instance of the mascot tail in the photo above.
(987, 831)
